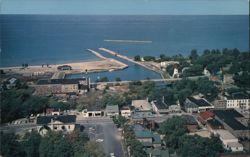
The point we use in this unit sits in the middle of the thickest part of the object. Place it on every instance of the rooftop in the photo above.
(112, 108)
(207, 114)
(238, 95)
(214, 123)
(229, 117)
(190, 120)
(141, 105)
(143, 134)
(225, 135)
(59, 81)
(159, 104)
(61, 118)
(200, 102)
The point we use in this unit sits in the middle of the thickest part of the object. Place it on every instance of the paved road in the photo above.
(104, 131)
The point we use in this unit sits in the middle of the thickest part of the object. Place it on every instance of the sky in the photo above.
(126, 7)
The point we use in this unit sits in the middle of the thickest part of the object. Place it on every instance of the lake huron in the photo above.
(53, 39)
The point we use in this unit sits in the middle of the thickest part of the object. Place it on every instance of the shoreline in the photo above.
(103, 65)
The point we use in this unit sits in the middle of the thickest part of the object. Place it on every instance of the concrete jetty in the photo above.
(123, 65)
(131, 60)
(129, 41)
(97, 54)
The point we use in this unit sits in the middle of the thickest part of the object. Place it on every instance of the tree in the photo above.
(9, 145)
(31, 142)
(193, 56)
(93, 150)
(114, 99)
(137, 58)
(119, 121)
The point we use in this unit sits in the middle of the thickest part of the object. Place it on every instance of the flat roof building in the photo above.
(141, 105)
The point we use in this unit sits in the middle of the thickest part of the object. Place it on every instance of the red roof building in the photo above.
(204, 116)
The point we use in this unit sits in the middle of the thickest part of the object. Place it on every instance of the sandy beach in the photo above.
(107, 64)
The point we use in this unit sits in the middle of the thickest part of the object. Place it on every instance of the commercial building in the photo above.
(232, 121)
(238, 100)
(92, 111)
(230, 142)
(192, 105)
(61, 86)
(159, 107)
(112, 110)
(141, 105)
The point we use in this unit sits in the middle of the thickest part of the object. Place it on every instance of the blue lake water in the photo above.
(40, 39)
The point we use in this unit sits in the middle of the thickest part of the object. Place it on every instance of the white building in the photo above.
(112, 110)
(64, 123)
(126, 112)
(141, 105)
(238, 101)
(230, 142)
(92, 113)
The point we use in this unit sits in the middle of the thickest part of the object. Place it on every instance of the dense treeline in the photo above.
(20, 102)
(177, 140)
(54, 144)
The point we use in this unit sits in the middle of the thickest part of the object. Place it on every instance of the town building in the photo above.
(238, 100)
(192, 124)
(92, 111)
(232, 121)
(213, 125)
(146, 137)
(204, 116)
(172, 107)
(141, 105)
(63, 123)
(230, 142)
(126, 111)
(61, 86)
(194, 105)
(159, 107)
(112, 110)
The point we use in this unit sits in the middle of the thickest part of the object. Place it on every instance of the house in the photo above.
(64, 67)
(238, 100)
(159, 107)
(142, 106)
(231, 120)
(61, 86)
(230, 142)
(146, 137)
(172, 107)
(63, 123)
(192, 124)
(204, 116)
(92, 111)
(126, 112)
(112, 110)
(192, 105)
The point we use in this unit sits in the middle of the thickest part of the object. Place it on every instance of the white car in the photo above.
(112, 154)
(99, 140)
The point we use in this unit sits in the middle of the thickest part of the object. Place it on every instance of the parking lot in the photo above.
(104, 132)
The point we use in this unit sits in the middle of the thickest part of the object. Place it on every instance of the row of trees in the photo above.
(180, 90)
(20, 102)
(177, 140)
(135, 147)
(54, 144)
